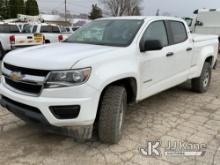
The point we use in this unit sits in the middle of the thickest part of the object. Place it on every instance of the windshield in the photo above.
(27, 28)
(107, 32)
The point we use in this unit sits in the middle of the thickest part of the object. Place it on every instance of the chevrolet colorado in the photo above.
(89, 79)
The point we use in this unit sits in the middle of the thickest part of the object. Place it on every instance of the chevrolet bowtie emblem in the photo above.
(16, 76)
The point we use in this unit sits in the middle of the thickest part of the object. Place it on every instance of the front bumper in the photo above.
(88, 99)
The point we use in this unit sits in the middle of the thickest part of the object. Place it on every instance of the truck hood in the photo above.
(59, 56)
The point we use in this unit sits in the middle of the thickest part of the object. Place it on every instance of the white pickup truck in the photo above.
(89, 79)
(52, 33)
(11, 38)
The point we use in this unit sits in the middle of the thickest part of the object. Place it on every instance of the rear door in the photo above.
(181, 46)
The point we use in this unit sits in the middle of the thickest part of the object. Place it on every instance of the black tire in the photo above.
(2, 52)
(111, 116)
(202, 83)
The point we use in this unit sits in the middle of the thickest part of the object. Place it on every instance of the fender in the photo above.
(205, 53)
(111, 67)
(112, 72)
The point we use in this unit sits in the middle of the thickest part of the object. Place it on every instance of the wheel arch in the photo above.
(210, 59)
(130, 84)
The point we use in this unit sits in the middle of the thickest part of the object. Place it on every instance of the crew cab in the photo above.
(52, 33)
(11, 38)
(88, 80)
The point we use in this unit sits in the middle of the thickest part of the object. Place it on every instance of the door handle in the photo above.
(189, 49)
(170, 54)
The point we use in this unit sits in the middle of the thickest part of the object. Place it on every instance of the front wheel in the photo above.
(202, 83)
(111, 116)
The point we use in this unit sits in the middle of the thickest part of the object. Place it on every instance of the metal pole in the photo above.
(65, 12)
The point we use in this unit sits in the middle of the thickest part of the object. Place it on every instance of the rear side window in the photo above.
(156, 31)
(35, 29)
(46, 29)
(9, 29)
(178, 31)
(68, 29)
(55, 29)
(49, 29)
(14, 29)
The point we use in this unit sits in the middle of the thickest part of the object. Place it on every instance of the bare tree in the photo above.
(123, 7)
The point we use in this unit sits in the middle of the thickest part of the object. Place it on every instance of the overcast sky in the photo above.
(174, 7)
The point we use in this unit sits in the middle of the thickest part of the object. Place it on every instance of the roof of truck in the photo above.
(140, 18)
(5, 23)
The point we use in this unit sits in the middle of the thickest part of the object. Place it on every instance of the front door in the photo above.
(156, 66)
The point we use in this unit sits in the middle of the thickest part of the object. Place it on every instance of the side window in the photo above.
(4, 29)
(35, 29)
(9, 29)
(178, 31)
(75, 28)
(45, 29)
(156, 31)
(14, 29)
(55, 29)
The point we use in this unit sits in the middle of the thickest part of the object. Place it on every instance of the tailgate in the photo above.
(28, 40)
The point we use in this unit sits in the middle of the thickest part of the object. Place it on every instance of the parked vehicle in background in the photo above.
(89, 79)
(189, 22)
(206, 21)
(72, 29)
(52, 33)
(11, 38)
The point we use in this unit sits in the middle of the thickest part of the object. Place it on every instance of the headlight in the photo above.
(67, 78)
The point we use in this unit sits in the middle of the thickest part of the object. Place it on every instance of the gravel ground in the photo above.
(174, 115)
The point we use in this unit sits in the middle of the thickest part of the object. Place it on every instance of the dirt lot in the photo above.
(177, 114)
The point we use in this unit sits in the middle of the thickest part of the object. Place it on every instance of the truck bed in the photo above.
(203, 37)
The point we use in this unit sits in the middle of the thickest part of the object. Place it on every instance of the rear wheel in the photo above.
(112, 112)
(202, 83)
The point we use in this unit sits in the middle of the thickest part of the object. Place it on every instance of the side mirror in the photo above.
(150, 45)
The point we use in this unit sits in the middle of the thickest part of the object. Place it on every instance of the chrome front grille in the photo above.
(28, 81)
(26, 71)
